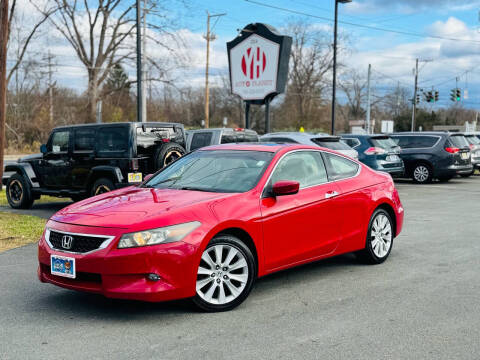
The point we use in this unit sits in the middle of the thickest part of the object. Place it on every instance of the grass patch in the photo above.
(18, 230)
(42, 200)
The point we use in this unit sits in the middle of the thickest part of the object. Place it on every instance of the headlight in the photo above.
(161, 235)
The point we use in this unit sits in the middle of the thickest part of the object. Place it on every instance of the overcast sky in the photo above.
(392, 55)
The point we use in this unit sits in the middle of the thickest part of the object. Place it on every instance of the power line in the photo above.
(361, 25)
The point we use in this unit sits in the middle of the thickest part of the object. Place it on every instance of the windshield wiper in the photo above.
(192, 188)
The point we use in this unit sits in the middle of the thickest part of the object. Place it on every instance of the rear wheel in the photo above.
(379, 238)
(102, 186)
(167, 153)
(19, 194)
(226, 274)
(422, 173)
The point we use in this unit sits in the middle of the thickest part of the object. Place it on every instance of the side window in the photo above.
(200, 140)
(405, 142)
(60, 141)
(425, 141)
(110, 139)
(340, 167)
(306, 167)
(84, 140)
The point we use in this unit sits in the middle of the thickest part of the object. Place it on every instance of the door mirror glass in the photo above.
(43, 149)
(282, 188)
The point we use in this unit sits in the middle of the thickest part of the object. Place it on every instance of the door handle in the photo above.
(331, 194)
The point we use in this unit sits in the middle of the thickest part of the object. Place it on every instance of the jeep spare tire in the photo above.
(167, 153)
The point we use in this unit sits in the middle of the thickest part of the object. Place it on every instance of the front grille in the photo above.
(79, 243)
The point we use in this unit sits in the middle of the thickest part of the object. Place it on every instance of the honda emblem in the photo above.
(67, 241)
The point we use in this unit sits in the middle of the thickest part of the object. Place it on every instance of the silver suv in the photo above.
(197, 139)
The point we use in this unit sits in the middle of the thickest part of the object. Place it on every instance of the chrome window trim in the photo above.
(431, 147)
(308, 187)
(103, 245)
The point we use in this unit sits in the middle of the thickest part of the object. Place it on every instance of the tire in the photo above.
(379, 241)
(216, 288)
(422, 173)
(102, 186)
(166, 154)
(19, 192)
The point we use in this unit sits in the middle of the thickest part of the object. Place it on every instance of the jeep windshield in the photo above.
(214, 171)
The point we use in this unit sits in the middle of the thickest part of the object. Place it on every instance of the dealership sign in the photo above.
(258, 61)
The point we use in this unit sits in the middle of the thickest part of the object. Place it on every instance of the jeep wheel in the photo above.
(19, 194)
(101, 186)
(167, 153)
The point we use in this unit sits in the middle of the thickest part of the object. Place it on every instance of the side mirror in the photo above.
(147, 177)
(43, 149)
(282, 188)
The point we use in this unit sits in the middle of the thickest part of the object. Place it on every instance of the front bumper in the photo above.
(122, 273)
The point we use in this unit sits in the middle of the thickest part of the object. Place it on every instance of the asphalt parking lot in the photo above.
(422, 303)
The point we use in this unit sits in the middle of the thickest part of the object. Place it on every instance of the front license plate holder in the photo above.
(62, 266)
(135, 177)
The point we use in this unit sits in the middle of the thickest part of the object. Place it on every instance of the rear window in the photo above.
(250, 137)
(229, 137)
(415, 141)
(458, 141)
(201, 139)
(351, 142)
(280, 140)
(472, 139)
(383, 142)
(333, 144)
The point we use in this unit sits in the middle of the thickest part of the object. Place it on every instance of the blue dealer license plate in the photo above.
(62, 266)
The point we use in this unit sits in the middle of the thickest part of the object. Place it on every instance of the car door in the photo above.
(353, 199)
(56, 165)
(83, 156)
(305, 225)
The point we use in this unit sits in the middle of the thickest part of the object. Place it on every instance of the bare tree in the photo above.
(354, 86)
(101, 34)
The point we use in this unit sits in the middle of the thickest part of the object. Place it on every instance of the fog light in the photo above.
(153, 277)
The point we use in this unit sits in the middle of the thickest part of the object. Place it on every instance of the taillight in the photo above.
(374, 151)
(452, 150)
(134, 164)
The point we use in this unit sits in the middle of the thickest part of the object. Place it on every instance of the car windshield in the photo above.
(333, 143)
(384, 142)
(214, 171)
(459, 141)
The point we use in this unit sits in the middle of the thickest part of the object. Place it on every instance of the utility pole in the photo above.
(368, 99)
(209, 37)
(414, 111)
(144, 82)
(139, 65)
(3, 79)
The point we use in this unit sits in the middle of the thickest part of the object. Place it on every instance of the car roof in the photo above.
(420, 133)
(267, 147)
(364, 135)
(224, 129)
(125, 123)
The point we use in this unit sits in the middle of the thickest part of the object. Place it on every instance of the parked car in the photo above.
(379, 152)
(323, 140)
(434, 155)
(474, 142)
(197, 139)
(83, 160)
(197, 228)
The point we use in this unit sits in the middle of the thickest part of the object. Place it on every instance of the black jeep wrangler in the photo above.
(84, 160)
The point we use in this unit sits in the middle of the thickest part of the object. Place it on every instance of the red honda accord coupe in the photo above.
(208, 225)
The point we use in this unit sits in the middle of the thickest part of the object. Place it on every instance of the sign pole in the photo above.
(267, 115)
(247, 115)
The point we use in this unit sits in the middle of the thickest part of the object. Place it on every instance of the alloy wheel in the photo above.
(222, 274)
(381, 235)
(171, 157)
(102, 189)
(15, 190)
(421, 173)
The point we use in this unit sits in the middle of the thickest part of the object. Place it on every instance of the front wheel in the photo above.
(379, 238)
(226, 274)
(19, 194)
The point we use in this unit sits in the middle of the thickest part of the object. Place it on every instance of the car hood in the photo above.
(30, 157)
(131, 206)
